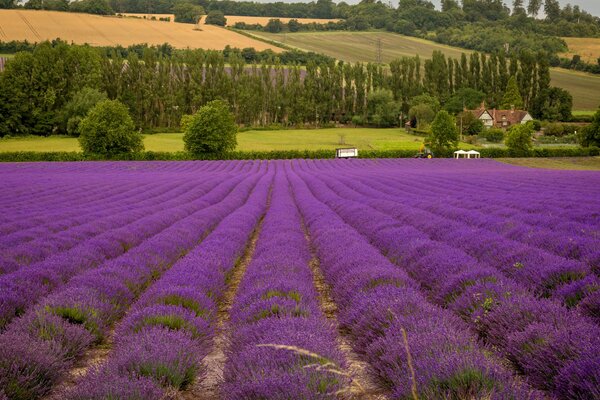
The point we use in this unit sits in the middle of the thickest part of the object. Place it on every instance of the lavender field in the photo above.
(367, 279)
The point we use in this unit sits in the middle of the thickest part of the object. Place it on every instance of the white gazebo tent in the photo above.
(467, 154)
(460, 154)
(473, 154)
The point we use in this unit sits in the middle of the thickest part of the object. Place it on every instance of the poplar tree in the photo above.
(512, 96)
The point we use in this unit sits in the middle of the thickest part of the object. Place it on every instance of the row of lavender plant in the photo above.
(50, 212)
(37, 348)
(281, 345)
(542, 229)
(54, 244)
(542, 195)
(47, 197)
(553, 347)
(37, 208)
(163, 339)
(22, 288)
(570, 281)
(75, 211)
(416, 348)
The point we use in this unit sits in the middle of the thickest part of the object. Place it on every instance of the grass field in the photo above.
(297, 139)
(362, 46)
(36, 26)
(584, 113)
(571, 163)
(587, 48)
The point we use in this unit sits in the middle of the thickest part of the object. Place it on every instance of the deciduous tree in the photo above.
(444, 134)
(211, 130)
(108, 130)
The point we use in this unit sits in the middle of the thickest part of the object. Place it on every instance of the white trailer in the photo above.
(346, 153)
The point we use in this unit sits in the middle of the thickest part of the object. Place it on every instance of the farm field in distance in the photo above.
(260, 140)
(241, 277)
(587, 48)
(232, 19)
(362, 46)
(565, 163)
(36, 26)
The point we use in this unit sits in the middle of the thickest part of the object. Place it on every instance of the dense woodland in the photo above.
(40, 90)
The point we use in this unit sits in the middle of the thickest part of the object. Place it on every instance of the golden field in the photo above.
(149, 16)
(232, 19)
(587, 48)
(36, 26)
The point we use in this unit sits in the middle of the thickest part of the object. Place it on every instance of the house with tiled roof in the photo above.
(501, 118)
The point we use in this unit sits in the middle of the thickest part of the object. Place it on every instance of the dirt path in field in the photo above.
(91, 358)
(363, 386)
(208, 388)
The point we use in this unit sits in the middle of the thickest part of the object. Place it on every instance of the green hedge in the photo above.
(32, 156)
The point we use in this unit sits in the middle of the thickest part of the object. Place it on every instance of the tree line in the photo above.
(44, 90)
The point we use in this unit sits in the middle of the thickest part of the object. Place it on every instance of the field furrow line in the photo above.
(389, 320)
(29, 25)
(41, 281)
(545, 274)
(460, 286)
(106, 293)
(281, 344)
(363, 386)
(208, 387)
(184, 291)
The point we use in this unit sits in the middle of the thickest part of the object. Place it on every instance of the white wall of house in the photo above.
(488, 122)
(526, 119)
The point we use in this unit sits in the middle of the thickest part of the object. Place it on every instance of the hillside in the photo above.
(587, 48)
(362, 46)
(232, 19)
(36, 26)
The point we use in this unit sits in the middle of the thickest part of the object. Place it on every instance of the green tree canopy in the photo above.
(108, 130)
(512, 96)
(554, 104)
(274, 25)
(464, 98)
(187, 12)
(470, 124)
(78, 107)
(590, 135)
(211, 130)
(382, 109)
(423, 114)
(427, 99)
(444, 134)
(216, 17)
(518, 140)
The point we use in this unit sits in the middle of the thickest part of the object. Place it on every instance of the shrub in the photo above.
(493, 135)
(554, 129)
(211, 130)
(590, 135)
(108, 130)
(518, 140)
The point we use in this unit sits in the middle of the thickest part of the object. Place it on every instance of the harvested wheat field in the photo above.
(232, 19)
(149, 16)
(37, 26)
(587, 48)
